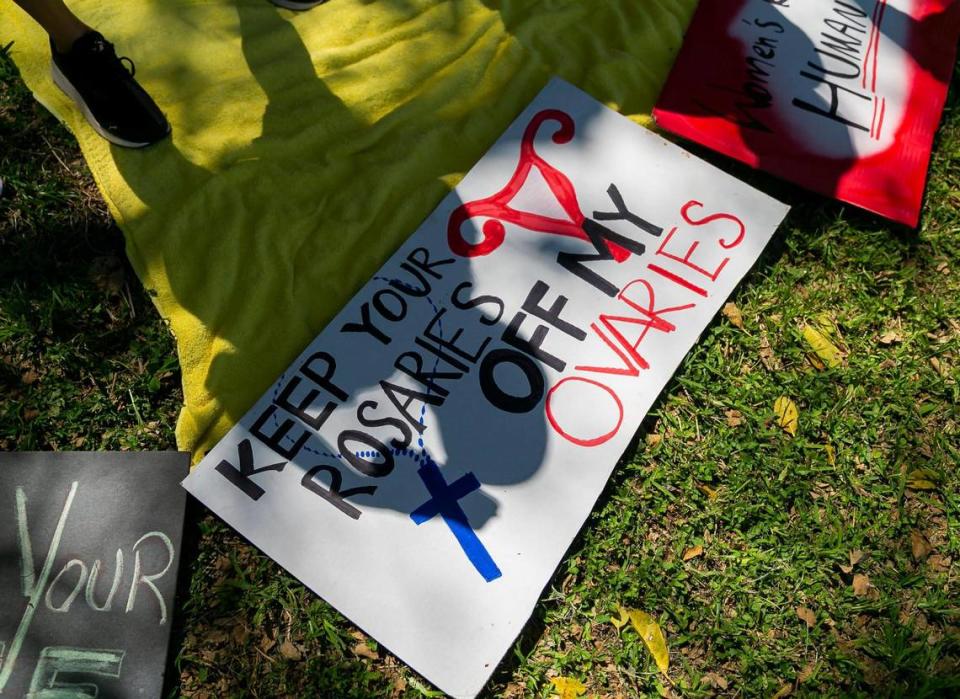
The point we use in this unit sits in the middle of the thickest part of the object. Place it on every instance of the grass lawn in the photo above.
(824, 563)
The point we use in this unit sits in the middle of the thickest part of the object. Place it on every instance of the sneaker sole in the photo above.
(286, 4)
(61, 81)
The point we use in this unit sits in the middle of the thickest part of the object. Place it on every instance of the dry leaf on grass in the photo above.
(734, 418)
(831, 454)
(939, 367)
(290, 651)
(767, 356)
(650, 633)
(620, 621)
(919, 545)
(890, 337)
(266, 643)
(715, 680)
(825, 353)
(568, 687)
(707, 490)
(807, 672)
(785, 691)
(807, 616)
(692, 552)
(922, 479)
(788, 417)
(362, 650)
(861, 584)
(653, 439)
(733, 314)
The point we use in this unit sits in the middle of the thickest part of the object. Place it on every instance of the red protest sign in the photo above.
(842, 97)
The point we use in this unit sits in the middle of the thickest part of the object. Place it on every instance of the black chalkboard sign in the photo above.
(89, 551)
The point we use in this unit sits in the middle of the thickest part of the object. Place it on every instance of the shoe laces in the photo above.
(104, 52)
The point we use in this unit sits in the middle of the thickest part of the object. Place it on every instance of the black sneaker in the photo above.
(297, 4)
(103, 87)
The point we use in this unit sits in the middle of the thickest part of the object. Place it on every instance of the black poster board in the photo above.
(89, 552)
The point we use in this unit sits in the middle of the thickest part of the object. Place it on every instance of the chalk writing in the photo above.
(46, 683)
(57, 593)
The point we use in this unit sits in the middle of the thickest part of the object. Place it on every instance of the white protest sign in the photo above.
(427, 460)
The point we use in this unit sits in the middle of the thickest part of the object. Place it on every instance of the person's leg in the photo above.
(87, 69)
(59, 22)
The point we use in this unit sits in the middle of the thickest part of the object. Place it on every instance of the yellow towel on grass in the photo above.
(306, 147)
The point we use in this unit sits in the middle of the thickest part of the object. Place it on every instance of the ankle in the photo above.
(63, 40)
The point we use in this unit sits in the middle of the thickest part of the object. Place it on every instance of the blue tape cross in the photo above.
(444, 502)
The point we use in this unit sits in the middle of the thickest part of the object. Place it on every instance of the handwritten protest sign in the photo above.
(840, 96)
(426, 461)
(90, 547)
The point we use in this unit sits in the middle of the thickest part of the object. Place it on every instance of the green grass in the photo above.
(85, 362)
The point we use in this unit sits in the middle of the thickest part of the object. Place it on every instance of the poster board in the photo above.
(842, 97)
(426, 461)
(91, 546)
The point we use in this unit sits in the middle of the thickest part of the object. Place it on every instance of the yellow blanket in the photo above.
(307, 146)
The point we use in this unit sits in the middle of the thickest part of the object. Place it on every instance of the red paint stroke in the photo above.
(628, 368)
(874, 30)
(873, 120)
(876, 45)
(883, 109)
(497, 207)
(594, 441)
(677, 279)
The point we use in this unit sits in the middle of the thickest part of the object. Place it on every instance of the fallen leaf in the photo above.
(784, 691)
(831, 454)
(807, 615)
(30, 414)
(29, 377)
(855, 556)
(807, 672)
(734, 418)
(939, 562)
(707, 490)
(362, 650)
(652, 636)
(567, 687)
(399, 686)
(861, 584)
(919, 545)
(939, 367)
(787, 415)
(692, 552)
(619, 622)
(654, 439)
(922, 479)
(733, 314)
(240, 634)
(767, 357)
(266, 643)
(715, 680)
(890, 337)
(290, 651)
(824, 349)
